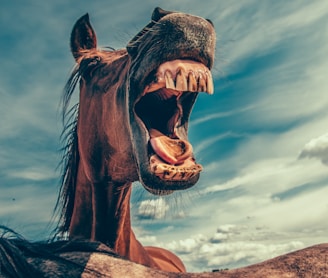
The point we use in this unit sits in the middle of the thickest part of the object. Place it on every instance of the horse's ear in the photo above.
(83, 37)
(158, 13)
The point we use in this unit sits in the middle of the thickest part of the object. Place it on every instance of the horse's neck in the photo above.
(102, 213)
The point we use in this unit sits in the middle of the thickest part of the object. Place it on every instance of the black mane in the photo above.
(70, 158)
(21, 258)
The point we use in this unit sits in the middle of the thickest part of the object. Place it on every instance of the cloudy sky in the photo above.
(262, 137)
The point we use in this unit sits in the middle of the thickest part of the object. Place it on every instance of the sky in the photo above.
(262, 138)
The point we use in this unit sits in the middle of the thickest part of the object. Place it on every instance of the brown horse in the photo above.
(131, 124)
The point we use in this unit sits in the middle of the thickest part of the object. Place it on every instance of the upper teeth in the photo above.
(183, 75)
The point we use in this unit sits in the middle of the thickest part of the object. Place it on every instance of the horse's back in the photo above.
(165, 259)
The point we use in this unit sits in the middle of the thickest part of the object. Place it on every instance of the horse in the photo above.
(131, 124)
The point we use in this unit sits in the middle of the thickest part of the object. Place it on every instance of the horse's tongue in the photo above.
(172, 151)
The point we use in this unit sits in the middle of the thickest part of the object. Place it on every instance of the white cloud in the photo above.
(317, 148)
(219, 237)
(187, 245)
(206, 143)
(236, 253)
(237, 246)
(153, 209)
(148, 240)
(219, 115)
(33, 174)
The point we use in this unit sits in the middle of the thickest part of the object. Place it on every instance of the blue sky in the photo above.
(262, 137)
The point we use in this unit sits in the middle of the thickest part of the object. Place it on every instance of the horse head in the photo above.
(135, 103)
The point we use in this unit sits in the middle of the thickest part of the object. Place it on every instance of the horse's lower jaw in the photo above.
(159, 184)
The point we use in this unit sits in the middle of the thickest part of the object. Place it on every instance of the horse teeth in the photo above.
(201, 83)
(182, 76)
(181, 82)
(171, 172)
(169, 82)
(209, 81)
(192, 83)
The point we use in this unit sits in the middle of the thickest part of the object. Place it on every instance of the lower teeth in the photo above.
(174, 173)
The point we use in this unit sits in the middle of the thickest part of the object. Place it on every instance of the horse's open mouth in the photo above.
(164, 108)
